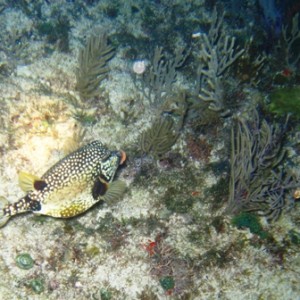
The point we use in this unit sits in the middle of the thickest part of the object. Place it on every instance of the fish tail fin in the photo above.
(3, 216)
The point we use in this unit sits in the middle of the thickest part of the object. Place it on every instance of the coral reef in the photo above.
(193, 222)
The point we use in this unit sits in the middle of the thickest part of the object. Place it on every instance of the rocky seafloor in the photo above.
(170, 236)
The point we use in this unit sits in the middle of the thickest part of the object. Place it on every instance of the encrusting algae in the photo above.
(71, 186)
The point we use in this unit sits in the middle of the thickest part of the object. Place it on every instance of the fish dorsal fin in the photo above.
(30, 182)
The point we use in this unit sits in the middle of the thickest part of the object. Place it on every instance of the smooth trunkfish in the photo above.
(71, 186)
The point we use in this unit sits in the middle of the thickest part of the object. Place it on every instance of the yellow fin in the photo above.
(26, 181)
(115, 191)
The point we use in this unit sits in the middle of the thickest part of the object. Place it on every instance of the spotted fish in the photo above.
(71, 186)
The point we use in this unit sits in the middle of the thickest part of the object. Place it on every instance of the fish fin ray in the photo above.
(115, 191)
(29, 182)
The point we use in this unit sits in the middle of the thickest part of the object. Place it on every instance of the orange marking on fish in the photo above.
(123, 157)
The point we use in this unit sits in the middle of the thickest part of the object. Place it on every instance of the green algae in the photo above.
(112, 10)
(92, 251)
(219, 224)
(105, 294)
(294, 237)
(219, 258)
(219, 192)
(218, 168)
(40, 219)
(197, 237)
(178, 202)
(37, 285)
(56, 32)
(167, 283)
(73, 225)
(148, 294)
(24, 261)
(84, 117)
(251, 221)
(285, 101)
(112, 231)
(179, 196)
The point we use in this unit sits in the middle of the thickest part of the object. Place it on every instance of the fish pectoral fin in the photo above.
(108, 191)
(29, 182)
(115, 191)
(99, 188)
